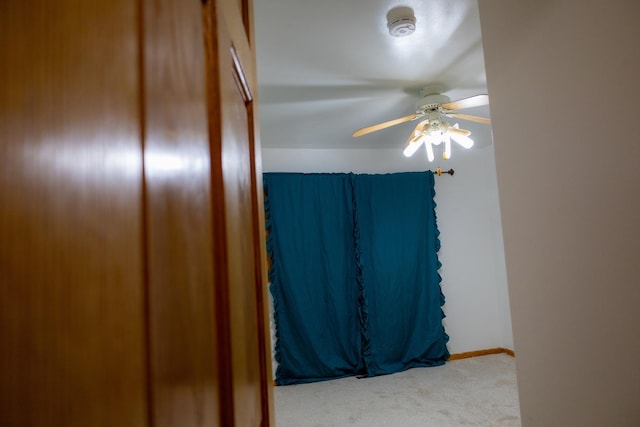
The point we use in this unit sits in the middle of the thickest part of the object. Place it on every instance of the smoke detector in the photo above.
(401, 21)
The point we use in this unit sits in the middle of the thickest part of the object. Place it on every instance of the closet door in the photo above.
(239, 227)
(72, 320)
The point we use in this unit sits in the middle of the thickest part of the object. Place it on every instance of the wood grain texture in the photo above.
(237, 175)
(260, 236)
(236, 14)
(71, 281)
(179, 214)
(241, 286)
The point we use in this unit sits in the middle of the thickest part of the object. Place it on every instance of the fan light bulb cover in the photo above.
(411, 148)
(430, 154)
(413, 144)
(464, 141)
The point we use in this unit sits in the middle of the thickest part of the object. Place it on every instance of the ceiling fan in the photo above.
(433, 130)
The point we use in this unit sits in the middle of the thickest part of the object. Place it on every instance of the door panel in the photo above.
(71, 266)
(182, 325)
(242, 269)
(234, 140)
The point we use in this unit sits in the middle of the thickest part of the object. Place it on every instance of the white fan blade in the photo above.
(379, 126)
(472, 101)
(470, 118)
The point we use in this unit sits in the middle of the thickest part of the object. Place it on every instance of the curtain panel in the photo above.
(354, 274)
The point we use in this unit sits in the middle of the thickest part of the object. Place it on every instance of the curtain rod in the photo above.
(439, 172)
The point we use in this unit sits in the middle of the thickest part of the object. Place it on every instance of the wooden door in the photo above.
(132, 264)
(72, 321)
(184, 384)
(246, 392)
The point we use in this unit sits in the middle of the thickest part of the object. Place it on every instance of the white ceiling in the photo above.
(329, 67)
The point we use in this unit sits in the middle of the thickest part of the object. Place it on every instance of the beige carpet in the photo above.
(479, 391)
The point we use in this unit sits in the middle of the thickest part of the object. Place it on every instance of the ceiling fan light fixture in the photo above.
(434, 130)
(413, 144)
(430, 154)
(463, 140)
(446, 154)
(411, 148)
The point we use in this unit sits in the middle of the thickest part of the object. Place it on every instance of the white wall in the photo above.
(563, 79)
(473, 272)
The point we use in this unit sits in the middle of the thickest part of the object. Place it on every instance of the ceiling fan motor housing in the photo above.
(431, 102)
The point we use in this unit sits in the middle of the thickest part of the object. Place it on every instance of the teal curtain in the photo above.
(399, 244)
(311, 245)
(354, 274)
